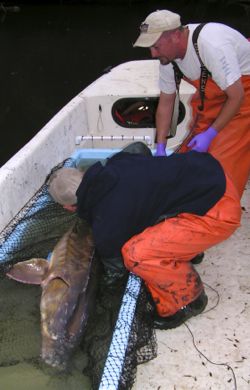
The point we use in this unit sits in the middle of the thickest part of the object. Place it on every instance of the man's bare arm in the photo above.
(164, 115)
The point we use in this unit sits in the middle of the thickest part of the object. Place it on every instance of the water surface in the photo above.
(20, 338)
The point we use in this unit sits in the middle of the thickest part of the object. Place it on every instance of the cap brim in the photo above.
(146, 39)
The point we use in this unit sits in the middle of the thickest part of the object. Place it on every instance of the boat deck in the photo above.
(212, 350)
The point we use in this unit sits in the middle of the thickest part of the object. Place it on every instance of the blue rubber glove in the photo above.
(160, 150)
(201, 141)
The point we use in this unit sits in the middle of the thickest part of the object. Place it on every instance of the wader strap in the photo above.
(204, 71)
(178, 75)
(174, 121)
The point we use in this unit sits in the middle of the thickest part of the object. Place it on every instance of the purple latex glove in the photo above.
(201, 141)
(160, 150)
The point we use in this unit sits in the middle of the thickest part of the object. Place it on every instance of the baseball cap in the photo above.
(154, 25)
(63, 184)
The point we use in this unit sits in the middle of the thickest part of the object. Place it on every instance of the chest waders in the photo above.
(231, 147)
(161, 254)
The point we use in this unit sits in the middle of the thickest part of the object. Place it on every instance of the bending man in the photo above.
(154, 215)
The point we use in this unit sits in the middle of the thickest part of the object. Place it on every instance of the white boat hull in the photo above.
(88, 114)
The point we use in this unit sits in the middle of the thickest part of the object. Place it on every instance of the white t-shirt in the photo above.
(224, 51)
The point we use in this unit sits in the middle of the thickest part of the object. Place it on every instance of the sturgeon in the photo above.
(69, 282)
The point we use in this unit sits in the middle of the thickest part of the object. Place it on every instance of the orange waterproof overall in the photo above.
(161, 254)
(232, 145)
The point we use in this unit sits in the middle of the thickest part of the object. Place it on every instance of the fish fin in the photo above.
(30, 271)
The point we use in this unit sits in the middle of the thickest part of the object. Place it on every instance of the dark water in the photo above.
(20, 339)
(50, 52)
(20, 330)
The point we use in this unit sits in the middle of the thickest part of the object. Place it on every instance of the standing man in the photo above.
(216, 60)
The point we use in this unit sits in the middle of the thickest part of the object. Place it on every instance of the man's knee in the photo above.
(131, 254)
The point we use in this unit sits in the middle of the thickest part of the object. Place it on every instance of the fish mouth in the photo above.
(52, 362)
(55, 360)
(56, 353)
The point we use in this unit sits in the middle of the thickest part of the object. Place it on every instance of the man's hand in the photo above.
(160, 150)
(201, 142)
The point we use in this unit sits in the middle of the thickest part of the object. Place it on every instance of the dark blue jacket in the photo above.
(132, 191)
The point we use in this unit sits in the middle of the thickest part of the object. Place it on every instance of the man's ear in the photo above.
(71, 208)
(176, 36)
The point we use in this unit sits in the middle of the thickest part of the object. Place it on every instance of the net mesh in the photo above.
(34, 233)
(36, 228)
